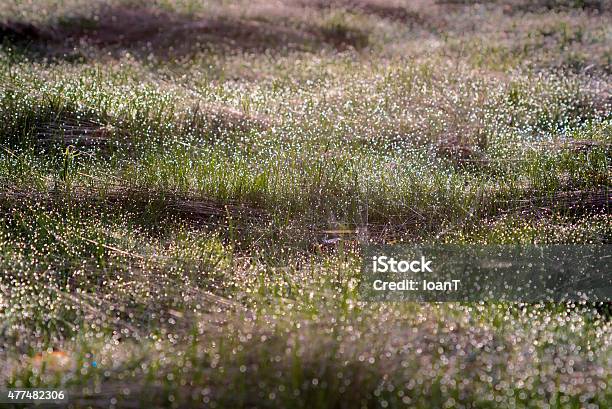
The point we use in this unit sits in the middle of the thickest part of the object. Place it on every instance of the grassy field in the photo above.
(185, 187)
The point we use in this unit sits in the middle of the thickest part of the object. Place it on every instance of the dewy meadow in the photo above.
(186, 187)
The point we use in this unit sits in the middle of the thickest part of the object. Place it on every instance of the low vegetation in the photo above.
(185, 187)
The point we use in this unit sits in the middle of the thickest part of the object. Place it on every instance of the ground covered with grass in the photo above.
(185, 188)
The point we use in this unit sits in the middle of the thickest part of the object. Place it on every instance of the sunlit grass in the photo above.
(165, 219)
